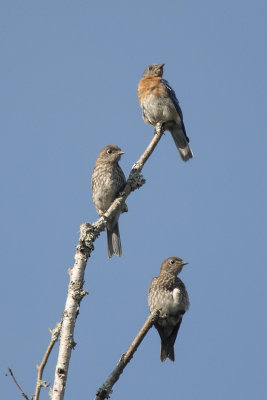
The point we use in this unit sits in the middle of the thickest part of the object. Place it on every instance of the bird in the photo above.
(108, 180)
(159, 104)
(168, 294)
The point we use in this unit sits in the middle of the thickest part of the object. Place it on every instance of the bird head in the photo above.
(154, 70)
(173, 265)
(110, 153)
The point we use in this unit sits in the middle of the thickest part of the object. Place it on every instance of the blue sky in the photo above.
(69, 87)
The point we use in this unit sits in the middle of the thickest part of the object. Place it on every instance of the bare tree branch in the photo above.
(40, 368)
(88, 234)
(106, 389)
(14, 379)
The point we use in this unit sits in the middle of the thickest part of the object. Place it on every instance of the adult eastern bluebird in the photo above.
(108, 181)
(168, 294)
(159, 104)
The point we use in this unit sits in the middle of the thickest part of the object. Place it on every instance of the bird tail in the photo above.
(168, 336)
(181, 142)
(166, 351)
(113, 241)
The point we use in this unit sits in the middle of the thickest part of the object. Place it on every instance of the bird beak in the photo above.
(121, 152)
(161, 65)
(184, 263)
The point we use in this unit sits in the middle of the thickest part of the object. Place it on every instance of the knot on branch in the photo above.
(70, 344)
(56, 332)
(83, 293)
(77, 292)
(136, 179)
(88, 234)
(43, 383)
(61, 372)
(104, 392)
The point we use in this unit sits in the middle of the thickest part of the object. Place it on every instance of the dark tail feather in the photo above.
(114, 242)
(186, 153)
(168, 339)
(166, 350)
(181, 143)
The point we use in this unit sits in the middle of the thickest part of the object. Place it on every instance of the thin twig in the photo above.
(40, 368)
(88, 234)
(14, 379)
(106, 389)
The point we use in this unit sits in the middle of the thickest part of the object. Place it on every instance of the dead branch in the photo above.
(106, 389)
(40, 368)
(18, 386)
(88, 234)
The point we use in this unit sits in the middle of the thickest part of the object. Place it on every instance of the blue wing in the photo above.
(175, 101)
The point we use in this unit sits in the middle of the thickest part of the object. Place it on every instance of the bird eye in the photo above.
(109, 151)
(172, 262)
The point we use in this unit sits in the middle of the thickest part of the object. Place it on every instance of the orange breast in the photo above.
(150, 85)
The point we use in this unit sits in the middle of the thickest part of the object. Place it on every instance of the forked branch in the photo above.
(40, 368)
(88, 234)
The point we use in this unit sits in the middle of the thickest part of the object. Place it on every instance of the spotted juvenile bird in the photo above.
(108, 181)
(159, 104)
(168, 294)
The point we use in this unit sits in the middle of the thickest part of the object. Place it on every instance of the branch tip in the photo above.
(16, 382)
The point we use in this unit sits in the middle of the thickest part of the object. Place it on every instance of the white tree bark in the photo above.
(88, 234)
(74, 297)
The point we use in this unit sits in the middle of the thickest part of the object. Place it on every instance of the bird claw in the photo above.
(159, 128)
